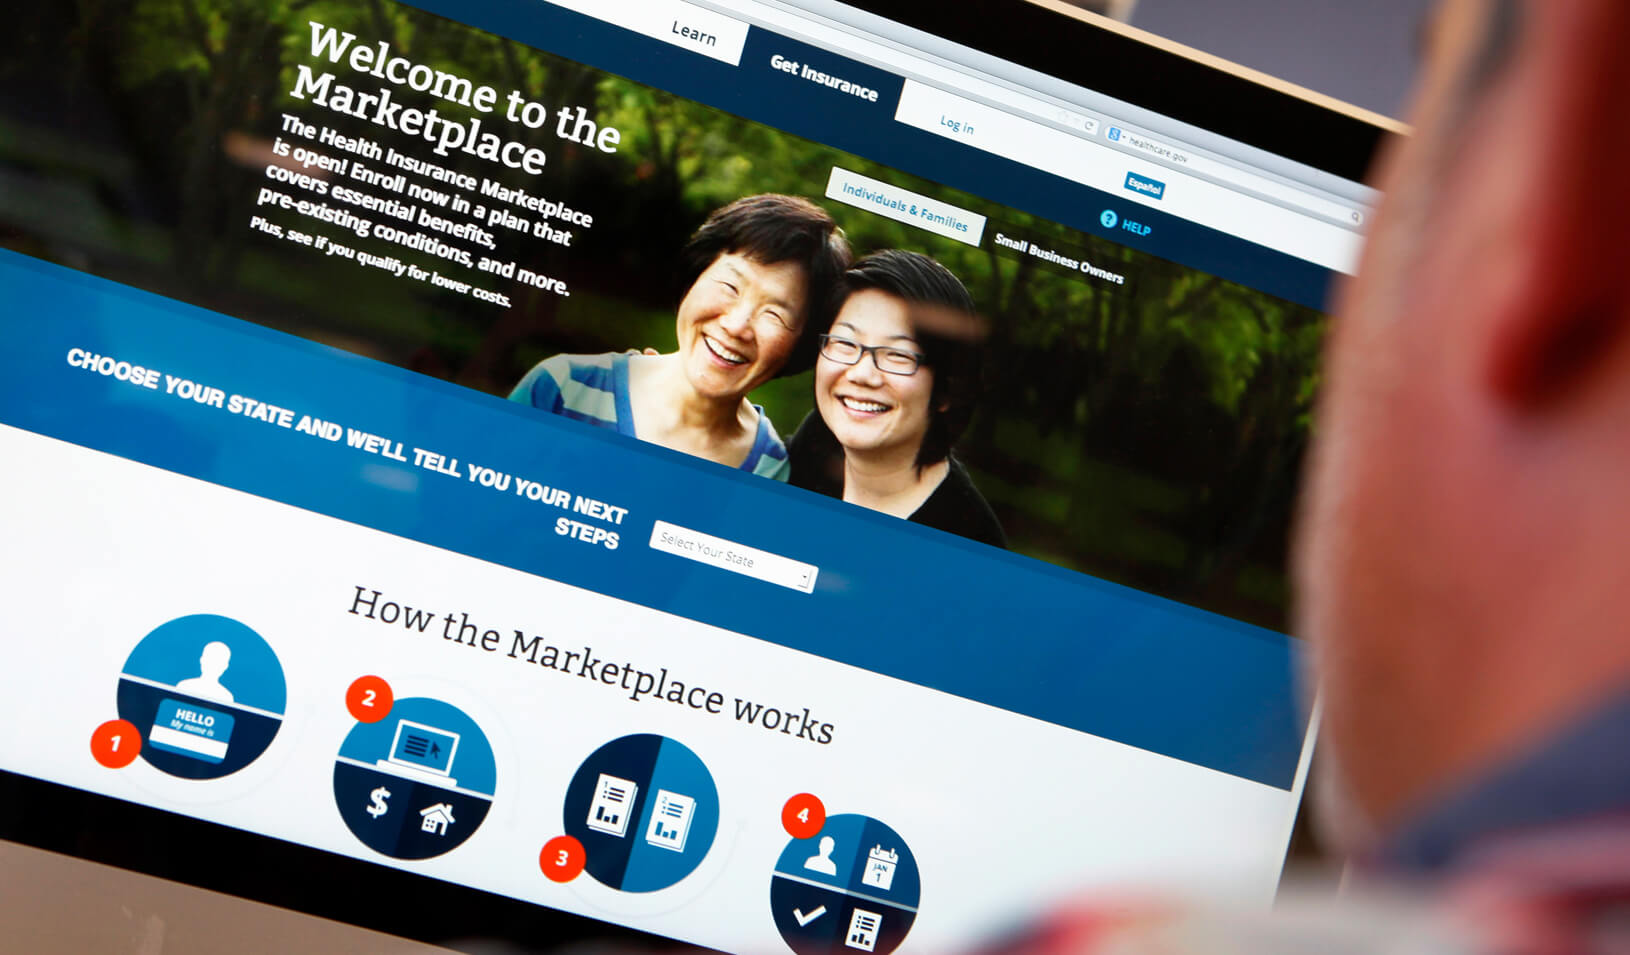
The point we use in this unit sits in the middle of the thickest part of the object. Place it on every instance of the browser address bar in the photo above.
(1223, 172)
(1127, 177)
(850, 44)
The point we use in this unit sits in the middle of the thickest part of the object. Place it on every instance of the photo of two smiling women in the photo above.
(1141, 432)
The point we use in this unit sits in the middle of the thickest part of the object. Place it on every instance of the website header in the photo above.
(924, 73)
(762, 90)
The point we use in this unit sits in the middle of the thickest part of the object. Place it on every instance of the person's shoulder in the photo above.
(767, 433)
(816, 457)
(585, 384)
(958, 507)
(769, 456)
(591, 371)
(580, 365)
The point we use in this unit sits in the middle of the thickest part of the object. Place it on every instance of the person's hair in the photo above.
(771, 229)
(947, 331)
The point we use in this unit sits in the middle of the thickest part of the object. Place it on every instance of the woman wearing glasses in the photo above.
(894, 387)
(759, 277)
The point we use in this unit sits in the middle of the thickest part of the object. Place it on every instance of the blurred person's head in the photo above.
(1461, 554)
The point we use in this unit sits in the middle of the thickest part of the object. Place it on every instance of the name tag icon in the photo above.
(190, 729)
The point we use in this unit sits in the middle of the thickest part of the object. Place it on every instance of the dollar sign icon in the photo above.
(378, 796)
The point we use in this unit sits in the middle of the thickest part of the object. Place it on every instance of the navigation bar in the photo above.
(757, 90)
(925, 71)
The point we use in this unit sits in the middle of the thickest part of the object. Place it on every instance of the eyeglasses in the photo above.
(895, 361)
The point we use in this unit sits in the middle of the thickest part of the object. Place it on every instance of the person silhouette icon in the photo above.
(212, 662)
(822, 862)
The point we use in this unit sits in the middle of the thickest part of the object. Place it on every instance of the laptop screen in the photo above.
(756, 474)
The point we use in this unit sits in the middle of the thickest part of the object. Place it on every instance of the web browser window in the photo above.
(688, 467)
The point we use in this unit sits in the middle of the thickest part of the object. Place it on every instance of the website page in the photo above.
(679, 476)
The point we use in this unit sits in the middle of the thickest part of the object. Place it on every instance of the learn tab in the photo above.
(683, 24)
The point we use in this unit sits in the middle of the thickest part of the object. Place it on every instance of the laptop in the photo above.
(823, 469)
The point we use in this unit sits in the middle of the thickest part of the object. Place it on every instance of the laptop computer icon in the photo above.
(422, 752)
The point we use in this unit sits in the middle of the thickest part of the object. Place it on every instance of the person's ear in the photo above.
(1563, 311)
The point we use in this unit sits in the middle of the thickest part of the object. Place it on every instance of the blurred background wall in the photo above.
(1363, 53)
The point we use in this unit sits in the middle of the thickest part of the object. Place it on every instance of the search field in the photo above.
(1106, 169)
(671, 21)
(734, 557)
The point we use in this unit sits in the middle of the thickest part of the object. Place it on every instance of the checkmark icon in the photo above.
(806, 919)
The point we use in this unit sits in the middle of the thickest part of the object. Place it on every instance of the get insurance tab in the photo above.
(796, 72)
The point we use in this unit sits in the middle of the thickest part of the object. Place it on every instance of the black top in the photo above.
(956, 506)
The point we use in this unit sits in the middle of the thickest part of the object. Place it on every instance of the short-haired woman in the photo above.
(760, 277)
(895, 383)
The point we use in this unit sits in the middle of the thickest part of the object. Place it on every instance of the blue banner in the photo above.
(100, 365)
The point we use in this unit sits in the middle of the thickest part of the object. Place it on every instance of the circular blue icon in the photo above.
(645, 809)
(207, 694)
(1109, 218)
(852, 886)
(417, 783)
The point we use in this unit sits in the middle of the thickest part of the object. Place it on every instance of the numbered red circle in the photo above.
(116, 743)
(369, 699)
(562, 858)
(803, 816)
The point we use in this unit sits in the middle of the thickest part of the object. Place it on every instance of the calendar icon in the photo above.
(880, 866)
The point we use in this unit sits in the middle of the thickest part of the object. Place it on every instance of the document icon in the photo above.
(613, 799)
(670, 821)
(863, 928)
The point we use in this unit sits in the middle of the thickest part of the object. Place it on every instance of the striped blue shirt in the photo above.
(594, 389)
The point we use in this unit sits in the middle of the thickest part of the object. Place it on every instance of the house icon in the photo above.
(436, 818)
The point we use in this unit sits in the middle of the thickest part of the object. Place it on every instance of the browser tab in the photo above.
(818, 77)
(832, 81)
